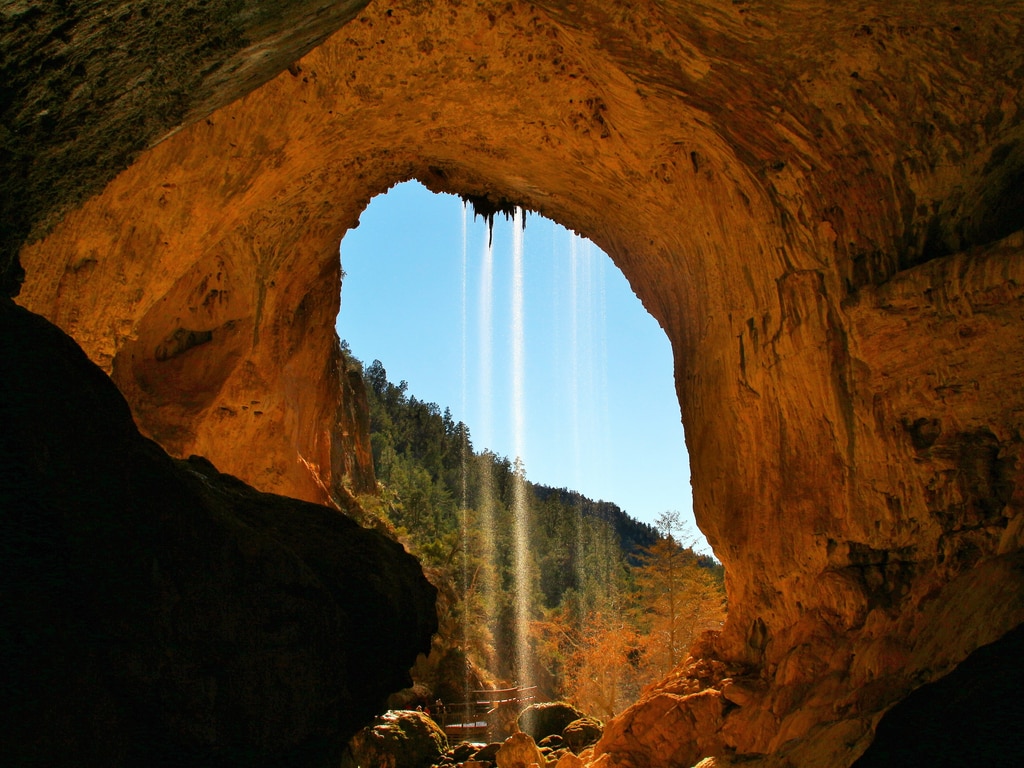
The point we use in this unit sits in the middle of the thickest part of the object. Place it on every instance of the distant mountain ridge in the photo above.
(421, 429)
(633, 534)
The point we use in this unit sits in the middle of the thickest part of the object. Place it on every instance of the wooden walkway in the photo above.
(486, 715)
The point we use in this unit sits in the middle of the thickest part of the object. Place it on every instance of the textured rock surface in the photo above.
(397, 739)
(820, 204)
(519, 751)
(582, 733)
(351, 462)
(86, 87)
(569, 760)
(155, 612)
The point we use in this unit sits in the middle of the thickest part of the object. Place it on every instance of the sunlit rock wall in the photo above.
(820, 204)
(87, 86)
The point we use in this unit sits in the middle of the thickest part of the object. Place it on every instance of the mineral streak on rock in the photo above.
(818, 202)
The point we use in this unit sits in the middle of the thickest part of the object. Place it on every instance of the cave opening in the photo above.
(739, 171)
(559, 457)
(603, 415)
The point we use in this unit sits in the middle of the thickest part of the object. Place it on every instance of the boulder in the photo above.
(520, 751)
(580, 734)
(547, 719)
(463, 751)
(569, 760)
(397, 739)
(551, 742)
(488, 753)
(157, 612)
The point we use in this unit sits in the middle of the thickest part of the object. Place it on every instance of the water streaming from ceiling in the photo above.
(521, 310)
(583, 310)
(485, 327)
(464, 522)
(402, 304)
(521, 507)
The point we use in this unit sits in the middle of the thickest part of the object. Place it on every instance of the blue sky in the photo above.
(599, 408)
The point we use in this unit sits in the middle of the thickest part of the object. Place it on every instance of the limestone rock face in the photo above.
(156, 612)
(351, 453)
(820, 204)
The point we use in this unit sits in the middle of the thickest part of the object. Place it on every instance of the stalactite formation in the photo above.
(486, 208)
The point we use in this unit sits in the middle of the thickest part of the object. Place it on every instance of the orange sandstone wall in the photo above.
(88, 86)
(819, 205)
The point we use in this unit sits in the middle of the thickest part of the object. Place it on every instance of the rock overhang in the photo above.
(817, 204)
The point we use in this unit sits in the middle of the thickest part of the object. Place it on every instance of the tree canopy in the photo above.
(614, 602)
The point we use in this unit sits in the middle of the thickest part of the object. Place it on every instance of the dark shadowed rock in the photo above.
(551, 742)
(488, 753)
(462, 752)
(547, 719)
(580, 734)
(397, 739)
(972, 716)
(155, 612)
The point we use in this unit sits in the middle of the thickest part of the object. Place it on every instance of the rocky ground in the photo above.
(551, 734)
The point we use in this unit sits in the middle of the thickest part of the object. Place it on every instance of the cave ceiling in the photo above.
(821, 205)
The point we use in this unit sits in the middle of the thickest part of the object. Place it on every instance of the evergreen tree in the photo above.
(614, 603)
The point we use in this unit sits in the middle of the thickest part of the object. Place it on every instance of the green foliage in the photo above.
(612, 600)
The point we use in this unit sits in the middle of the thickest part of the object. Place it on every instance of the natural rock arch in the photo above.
(819, 205)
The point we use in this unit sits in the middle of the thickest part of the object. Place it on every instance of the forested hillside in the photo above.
(614, 602)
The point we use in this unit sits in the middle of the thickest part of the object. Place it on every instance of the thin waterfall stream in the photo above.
(521, 509)
(527, 335)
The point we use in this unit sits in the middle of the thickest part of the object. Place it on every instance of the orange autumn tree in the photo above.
(587, 643)
(595, 659)
(604, 676)
(630, 626)
(680, 595)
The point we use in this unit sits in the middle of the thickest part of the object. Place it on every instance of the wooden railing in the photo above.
(486, 715)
